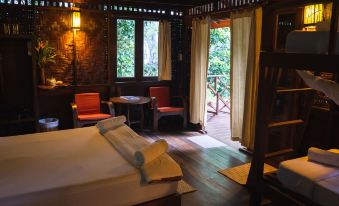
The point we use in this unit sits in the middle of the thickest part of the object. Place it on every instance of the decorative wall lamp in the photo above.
(313, 13)
(75, 25)
(76, 22)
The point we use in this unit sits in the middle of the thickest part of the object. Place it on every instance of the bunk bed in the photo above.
(283, 187)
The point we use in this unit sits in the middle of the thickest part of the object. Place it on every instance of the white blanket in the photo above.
(127, 142)
(76, 167)
(316, 181)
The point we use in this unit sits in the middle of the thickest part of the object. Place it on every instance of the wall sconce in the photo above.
(76, 20)
(313, 14)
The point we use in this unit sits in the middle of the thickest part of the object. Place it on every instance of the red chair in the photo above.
(86, 109)
(161, 105)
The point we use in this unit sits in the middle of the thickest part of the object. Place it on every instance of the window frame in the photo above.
(138, 49)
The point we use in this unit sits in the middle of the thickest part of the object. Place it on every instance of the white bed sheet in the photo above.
(316, 181)
(326, 192)
(312, 42)
(70, 167)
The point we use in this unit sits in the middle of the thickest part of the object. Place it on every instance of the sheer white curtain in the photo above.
(245, 49)
(164, 53)
(199, 65)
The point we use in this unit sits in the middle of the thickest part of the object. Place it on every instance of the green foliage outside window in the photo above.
(219, 60)
(126, 48)
(151, 33)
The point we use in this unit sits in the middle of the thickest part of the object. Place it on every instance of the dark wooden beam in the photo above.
(334, 28)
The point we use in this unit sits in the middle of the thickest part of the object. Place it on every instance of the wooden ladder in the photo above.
(269, 78)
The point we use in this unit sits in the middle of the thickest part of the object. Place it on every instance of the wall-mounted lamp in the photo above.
(76, 22)
(313, 14)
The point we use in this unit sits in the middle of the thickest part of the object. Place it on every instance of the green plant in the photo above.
(44, 52)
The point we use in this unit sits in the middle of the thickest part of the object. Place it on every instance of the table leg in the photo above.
(142, 117)
(128, 119)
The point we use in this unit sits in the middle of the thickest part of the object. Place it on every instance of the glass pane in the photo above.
(126, 48)
(151, 32)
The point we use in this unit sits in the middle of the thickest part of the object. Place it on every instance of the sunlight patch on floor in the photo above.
(206, 141)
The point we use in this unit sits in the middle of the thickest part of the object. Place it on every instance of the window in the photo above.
(125, 48)
(151, 32)
(137, 49)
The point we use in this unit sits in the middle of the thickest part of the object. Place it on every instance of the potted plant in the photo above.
(45, 54)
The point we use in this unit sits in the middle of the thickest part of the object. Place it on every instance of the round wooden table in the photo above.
(132, 100)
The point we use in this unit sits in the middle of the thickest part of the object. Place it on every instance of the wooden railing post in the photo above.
(213, 87)
(217, 95)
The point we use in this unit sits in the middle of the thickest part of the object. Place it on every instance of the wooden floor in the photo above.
(219, 127)
(200, 166)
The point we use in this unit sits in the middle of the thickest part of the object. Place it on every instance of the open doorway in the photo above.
(218, 82)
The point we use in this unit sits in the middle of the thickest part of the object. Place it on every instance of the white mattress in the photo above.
(310, 179)
(313, 42)
(70, 167)
(326, 192)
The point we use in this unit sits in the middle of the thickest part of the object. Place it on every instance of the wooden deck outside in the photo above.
(219, 127)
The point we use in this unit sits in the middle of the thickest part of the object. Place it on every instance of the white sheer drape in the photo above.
(199, 65)
(245, 50)
(164, 53)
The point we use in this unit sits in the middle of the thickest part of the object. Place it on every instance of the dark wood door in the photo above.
(16, 83)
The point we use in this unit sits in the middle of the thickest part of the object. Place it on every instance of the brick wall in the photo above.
(54, 25)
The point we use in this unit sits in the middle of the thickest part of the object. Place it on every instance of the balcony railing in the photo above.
(222, 5)
(218, 86)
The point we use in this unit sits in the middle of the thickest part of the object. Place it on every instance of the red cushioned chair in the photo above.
(161, 105)
(86, 109)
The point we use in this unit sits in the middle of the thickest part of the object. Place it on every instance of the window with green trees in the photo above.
(125, 48)
(151, 33)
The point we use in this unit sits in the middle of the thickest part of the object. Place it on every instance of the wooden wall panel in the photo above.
(54, 25)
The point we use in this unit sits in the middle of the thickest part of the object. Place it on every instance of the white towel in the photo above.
(127, 143)
(110, 123)
(163, 168)
(329, 88)
(151, 152)
(323, 156)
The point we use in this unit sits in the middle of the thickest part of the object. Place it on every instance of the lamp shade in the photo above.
(76, 20)
(313, 13)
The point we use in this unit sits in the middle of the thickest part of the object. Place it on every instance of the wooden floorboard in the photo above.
(219, 127)
(200, 167)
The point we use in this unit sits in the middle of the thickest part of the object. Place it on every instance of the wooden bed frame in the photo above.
(268, 185)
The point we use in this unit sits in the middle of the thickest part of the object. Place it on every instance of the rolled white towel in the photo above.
(149, 153)
(110, 123)
(323, 156)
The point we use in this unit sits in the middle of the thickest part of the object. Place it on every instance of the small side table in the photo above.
(132, 100)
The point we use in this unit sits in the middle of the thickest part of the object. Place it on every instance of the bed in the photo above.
(310, 42)
(317, 182)
(70, 167)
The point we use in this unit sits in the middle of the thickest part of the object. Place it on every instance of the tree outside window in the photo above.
(151, 33)
(125, 48)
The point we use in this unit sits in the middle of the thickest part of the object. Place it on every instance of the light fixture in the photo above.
(76, 20)
(313, 13)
